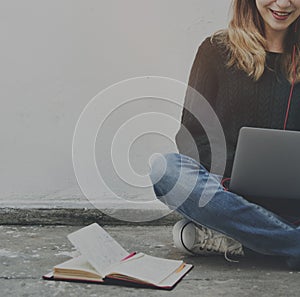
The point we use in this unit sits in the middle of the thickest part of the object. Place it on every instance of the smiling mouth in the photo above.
(281, 13)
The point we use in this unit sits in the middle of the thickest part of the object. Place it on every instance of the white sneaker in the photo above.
(195, 239)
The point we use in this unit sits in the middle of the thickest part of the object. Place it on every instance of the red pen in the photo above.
(129, 256)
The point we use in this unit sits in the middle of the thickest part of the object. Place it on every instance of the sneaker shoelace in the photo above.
(212, 241)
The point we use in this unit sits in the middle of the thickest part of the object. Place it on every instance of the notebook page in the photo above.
(97, 246)
(175, 277)
(78, 263)
(147, 268)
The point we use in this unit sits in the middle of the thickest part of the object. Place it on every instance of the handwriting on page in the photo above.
(98, 247)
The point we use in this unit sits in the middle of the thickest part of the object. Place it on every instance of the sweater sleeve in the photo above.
(204, 79)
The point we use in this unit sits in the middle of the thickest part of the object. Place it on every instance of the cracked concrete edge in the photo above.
(79, 217)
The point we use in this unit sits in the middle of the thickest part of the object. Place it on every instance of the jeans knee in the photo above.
(163, 170)
(157, 167)
(160, 166)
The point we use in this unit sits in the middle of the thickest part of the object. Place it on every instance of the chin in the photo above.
(278, 27)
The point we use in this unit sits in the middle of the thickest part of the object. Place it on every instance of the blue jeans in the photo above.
(179, 182)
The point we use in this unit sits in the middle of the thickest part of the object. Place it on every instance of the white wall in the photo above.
(56, 55)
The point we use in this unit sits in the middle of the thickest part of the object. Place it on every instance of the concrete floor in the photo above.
(28, 252)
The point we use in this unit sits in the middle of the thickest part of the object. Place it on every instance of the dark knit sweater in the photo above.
(236, 99)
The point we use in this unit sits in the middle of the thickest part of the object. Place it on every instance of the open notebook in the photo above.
(104, 260)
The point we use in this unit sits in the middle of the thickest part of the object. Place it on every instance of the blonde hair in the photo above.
(246, 42)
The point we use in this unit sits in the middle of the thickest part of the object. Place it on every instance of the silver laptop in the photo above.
(266, 166)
